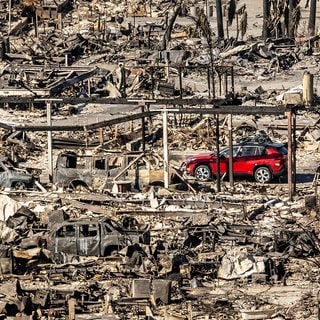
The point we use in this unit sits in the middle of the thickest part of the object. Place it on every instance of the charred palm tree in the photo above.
(231, 11)
(312, 18)
(283, 18)
(167, 35)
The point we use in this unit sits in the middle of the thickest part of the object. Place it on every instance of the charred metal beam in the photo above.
(76, 127)
(212, 106)
(216, 105)
(231, 109)
(61, 84)
(247, 110)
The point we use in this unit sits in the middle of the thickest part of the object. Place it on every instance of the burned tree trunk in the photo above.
(312, 17)
(294, 15)
(281, 18)
(167, 35)
(291, 28)
(219, 19)
(266, 16)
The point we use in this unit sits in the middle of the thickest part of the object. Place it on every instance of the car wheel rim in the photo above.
(19, 186)
(263, 175)
(202, 174)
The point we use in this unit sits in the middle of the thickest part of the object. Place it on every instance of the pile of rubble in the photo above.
(242, 251)
(142, 50)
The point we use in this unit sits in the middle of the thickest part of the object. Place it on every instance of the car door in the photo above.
(244, 162)
(112, 236)
(224, 158)
(99, 172)
(224, 164)
(261, 157)
(66, 239)
(88, 241)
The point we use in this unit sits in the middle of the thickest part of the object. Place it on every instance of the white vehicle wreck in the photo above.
(100, 171)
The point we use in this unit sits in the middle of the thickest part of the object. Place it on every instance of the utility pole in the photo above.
(290, 175)
(165, 148)
(36, 25)
(312, 18)
(219, 19)
(218, 153)
(230, 151)
(294, 159)
(143, 126)
(50, 163)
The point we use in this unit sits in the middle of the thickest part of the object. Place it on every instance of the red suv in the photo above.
(263, 161)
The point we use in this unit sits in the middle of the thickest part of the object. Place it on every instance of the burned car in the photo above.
(93, 238)
(13, 177)
(100, 171)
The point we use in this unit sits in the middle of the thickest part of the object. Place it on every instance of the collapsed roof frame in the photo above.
(209, 105)
(213, 107)
(219, 80)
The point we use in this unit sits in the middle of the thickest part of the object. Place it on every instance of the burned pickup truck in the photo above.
(92, 238)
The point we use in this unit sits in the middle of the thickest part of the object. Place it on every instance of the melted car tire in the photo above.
(59, 258)
(262, 175)
(78, 187)
(19, 185)
(202, 173)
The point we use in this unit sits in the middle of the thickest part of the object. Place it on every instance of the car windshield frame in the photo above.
(225, 151)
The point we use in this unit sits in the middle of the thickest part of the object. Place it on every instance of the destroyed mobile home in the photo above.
(102, 103)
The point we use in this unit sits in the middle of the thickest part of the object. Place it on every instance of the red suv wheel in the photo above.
(202, 173)
(263, 175)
